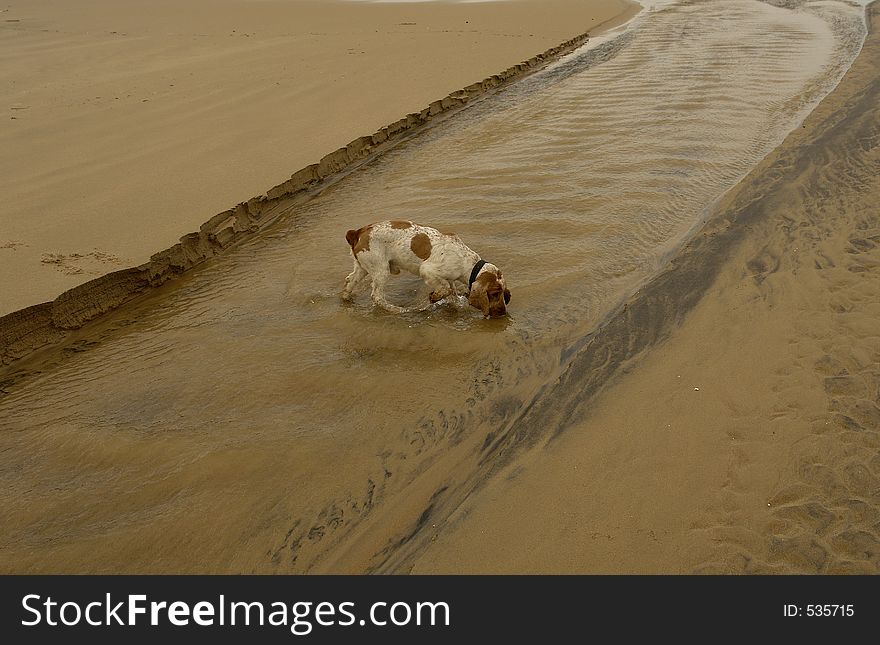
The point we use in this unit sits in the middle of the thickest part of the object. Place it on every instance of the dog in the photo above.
(383, 249)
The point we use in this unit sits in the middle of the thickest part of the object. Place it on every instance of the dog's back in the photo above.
(400, 243)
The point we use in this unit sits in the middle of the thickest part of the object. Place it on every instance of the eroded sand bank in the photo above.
(727, 419)
(129, 124)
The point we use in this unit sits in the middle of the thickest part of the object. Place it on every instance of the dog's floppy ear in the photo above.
(478, 297)
(352, 237)
(507, 296)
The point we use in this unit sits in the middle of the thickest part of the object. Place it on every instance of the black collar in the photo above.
(474, 272)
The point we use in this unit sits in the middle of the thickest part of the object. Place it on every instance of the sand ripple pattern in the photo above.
(242, 419)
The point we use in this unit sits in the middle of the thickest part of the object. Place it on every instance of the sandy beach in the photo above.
(129, 124)
(739, 429)
(684, 208)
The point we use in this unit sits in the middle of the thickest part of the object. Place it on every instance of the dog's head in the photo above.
(489, 294)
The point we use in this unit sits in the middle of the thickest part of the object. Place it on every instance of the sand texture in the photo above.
(685, 213)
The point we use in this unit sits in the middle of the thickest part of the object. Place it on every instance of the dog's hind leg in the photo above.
(353, 280)
(378, 294)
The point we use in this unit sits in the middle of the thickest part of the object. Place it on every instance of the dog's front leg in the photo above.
(440, 288)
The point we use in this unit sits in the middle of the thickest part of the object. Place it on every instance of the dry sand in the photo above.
(727, 420)
(130, 123)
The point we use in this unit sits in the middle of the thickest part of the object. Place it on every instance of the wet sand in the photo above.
(129, 124)
(727, 419)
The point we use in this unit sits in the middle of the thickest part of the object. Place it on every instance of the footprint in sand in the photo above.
(93, 263)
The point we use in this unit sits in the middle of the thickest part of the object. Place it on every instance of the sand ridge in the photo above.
(24, 330)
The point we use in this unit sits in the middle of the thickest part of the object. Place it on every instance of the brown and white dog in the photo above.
(382, 249)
